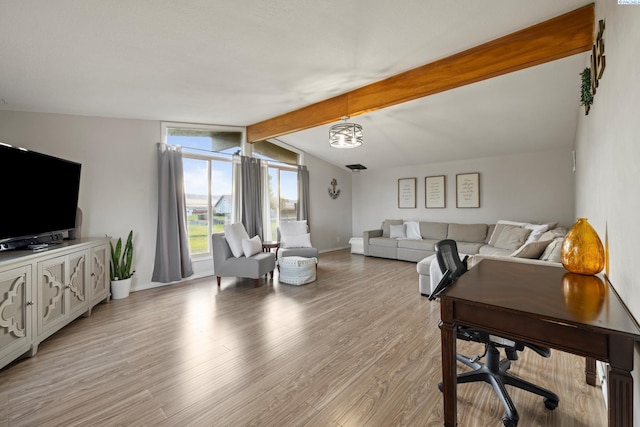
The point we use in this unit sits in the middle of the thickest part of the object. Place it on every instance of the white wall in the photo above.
(118, 188)
(330, 218)
(608, 157)
(118, 180)
(535, 186)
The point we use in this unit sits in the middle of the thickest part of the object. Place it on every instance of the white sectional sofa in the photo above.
(382, 243)
(507, 240)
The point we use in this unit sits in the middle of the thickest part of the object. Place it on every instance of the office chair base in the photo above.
(494, 372)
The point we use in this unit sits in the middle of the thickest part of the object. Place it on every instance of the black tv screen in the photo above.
(39, 194)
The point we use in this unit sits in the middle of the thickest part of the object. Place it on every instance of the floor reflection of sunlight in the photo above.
(199, 320)
(215, 329)
(283, 326)
(284, 312)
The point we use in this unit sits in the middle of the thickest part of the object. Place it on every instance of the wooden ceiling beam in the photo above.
(556, 38)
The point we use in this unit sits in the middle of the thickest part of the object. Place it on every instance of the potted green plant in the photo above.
(121, 267)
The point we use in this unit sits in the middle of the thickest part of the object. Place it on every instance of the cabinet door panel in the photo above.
(100, 282)
(15, 306)
(52, 308)
(77, 283)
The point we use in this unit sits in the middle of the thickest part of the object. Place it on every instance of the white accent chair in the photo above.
(295, 240)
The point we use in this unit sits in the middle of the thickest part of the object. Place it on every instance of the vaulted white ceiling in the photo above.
(241, 62)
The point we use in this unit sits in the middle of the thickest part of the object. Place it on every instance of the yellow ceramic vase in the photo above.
(582, 250)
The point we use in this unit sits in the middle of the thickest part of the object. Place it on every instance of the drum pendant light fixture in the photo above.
(345, 135)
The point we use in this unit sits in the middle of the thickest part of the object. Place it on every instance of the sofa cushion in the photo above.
(474, 233)
(412, 229)
(469, 248)
(235, 234)
(492, 250)
(490, 230)
(500, 225)
(421, 245)
(383, 241)
(397, 231)
(496, 233)
(423, 267)
(531, 250)
(512, 237)
(385, 226)
(433, 230)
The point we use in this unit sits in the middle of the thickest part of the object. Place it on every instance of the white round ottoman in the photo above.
(297, 270)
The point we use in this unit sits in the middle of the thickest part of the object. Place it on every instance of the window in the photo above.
(283, 181)
(283, 191)
(208, 179)
(207, 162)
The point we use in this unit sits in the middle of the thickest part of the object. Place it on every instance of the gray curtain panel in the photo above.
(173, 261)
(251, 196)
(302, 212)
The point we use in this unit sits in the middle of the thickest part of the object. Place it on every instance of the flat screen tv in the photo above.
(39, 195)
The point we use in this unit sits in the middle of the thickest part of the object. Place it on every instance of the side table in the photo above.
(268, 245)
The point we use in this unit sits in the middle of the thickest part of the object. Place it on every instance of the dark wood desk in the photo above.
(548, 306)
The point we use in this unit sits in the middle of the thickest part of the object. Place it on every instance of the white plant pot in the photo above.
(120, 288)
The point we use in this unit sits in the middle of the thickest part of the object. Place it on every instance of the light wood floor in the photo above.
(358, 347)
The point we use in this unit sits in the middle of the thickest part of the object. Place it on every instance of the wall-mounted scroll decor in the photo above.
(591, 76)
(435, 192)
(407, 193)
(468, 190)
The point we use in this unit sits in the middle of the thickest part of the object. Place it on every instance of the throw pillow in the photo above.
(500, 225)
(531, 250)
(235, 233)
(553, 251)
(512, 237)
(536, 231)
(547, 235)
(296, 241)
(293, 227)
(397, 231)
(386, 224)
(413, 230)
(251, 246)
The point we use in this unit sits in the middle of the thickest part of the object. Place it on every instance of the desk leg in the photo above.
(620, 382)
(449, 370)
(590, 371)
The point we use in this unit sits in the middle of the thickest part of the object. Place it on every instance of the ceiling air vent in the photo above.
(356, 167)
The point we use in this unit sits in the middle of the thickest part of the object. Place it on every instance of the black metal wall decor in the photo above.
(591, 76)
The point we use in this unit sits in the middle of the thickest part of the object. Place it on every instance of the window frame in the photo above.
(245, 149)
(207, 156)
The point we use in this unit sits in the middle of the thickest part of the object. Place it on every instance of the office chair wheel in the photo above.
(550, 404)
(508, 422)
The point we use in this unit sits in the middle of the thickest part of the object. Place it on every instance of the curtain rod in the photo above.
(163, 147)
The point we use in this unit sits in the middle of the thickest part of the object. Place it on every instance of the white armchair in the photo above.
(295, 240)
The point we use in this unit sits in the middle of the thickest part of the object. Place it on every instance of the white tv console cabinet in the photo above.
(42, 291)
